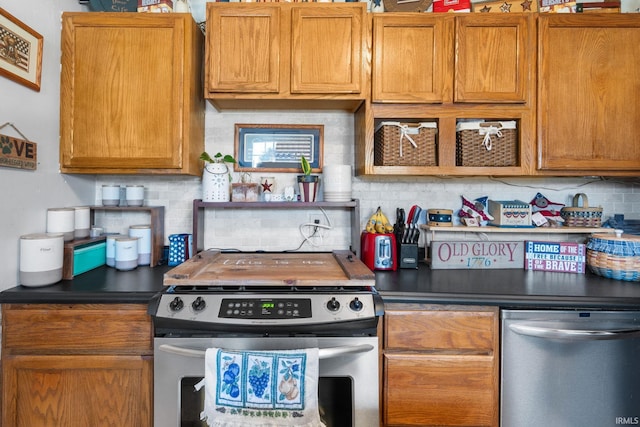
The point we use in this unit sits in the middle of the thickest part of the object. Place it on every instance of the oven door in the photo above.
(347, 390)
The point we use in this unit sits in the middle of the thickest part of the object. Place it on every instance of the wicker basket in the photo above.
(480, 143)
(614, 257)
(405, 144)
(581, 216)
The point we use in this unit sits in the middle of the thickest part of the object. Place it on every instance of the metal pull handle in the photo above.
(323, 353)
(574, 334)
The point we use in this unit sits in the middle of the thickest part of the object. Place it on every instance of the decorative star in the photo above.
(506, 7)
(486, 9)
(266, 187)
(526, 5)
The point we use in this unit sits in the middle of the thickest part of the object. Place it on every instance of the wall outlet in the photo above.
(312, 218)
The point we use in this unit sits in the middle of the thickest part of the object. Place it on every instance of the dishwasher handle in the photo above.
(574, 334)
(323, 353)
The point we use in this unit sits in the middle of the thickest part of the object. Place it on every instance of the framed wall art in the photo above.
(20, 51)
(278, 148)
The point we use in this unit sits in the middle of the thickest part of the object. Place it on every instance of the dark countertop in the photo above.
(506, 288)
(102, 285)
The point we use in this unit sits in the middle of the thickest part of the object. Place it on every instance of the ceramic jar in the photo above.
(215, 183)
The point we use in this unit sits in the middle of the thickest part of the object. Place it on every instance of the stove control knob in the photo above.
(199, 304)
(177, 304)
(333, 304)
(355, 304)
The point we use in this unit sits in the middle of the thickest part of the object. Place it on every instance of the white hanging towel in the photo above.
(261, 388)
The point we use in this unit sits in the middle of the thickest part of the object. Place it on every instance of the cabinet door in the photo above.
(125, 100)
(589, 87)
(65, 390)
(439, 390)
(410, 57)
(243, 48)
(494, 57)
(327, 48)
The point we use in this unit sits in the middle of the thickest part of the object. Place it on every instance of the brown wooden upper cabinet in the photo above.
(131, 94)
(440, 58)
(589, 87)
(286, 55)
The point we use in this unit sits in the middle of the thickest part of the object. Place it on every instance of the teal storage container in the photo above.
(88, 257)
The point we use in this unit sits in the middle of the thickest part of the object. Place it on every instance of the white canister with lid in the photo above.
(61, 220)
(111, 249)
(41, 259)
(110, 195)
(82, 222)
(134, 195)
(143, 233)
(126, 256)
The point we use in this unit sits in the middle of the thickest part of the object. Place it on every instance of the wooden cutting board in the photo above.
(213, 268)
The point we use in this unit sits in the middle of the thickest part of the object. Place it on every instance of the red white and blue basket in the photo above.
(614, 257)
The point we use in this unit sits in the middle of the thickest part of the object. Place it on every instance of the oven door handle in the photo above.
(323, 353)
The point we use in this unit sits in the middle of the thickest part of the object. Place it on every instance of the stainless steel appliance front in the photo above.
(348, 383)
(570, 368)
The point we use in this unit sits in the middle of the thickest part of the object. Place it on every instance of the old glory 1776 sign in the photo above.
(16, 152)
(476, 255)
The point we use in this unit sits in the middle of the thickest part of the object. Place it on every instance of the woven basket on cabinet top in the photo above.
(581, 216)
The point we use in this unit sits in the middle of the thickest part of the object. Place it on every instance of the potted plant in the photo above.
(216, 177)
(307, 183)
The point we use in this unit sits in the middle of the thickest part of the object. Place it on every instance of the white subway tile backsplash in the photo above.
(279, 229)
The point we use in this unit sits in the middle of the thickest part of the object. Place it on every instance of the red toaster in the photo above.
(378, 251)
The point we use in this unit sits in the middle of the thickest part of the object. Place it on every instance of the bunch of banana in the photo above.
(378, 223)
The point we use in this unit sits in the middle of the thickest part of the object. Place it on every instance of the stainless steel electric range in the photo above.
(269, 301)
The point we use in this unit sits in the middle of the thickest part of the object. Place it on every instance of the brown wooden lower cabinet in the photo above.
(440, 365)
(77, 365)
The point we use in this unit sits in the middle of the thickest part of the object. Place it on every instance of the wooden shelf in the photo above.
(521, 230)
(199, 206)
(494, 229)
(157, 225)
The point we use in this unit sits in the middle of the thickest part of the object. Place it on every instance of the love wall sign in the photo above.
(16, 152)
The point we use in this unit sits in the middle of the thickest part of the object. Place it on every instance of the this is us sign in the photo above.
(18, 153)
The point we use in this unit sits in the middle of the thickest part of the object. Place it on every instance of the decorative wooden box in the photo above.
(510, 213)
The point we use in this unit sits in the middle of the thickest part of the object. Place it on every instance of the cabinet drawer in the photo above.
(438, 390)
(473, 329)
(76, 329)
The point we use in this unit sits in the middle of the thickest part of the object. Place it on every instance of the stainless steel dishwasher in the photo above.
(570, 368)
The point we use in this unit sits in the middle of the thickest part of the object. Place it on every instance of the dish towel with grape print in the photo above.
(261, 388)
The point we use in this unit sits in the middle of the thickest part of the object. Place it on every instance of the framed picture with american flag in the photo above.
(20, 51)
